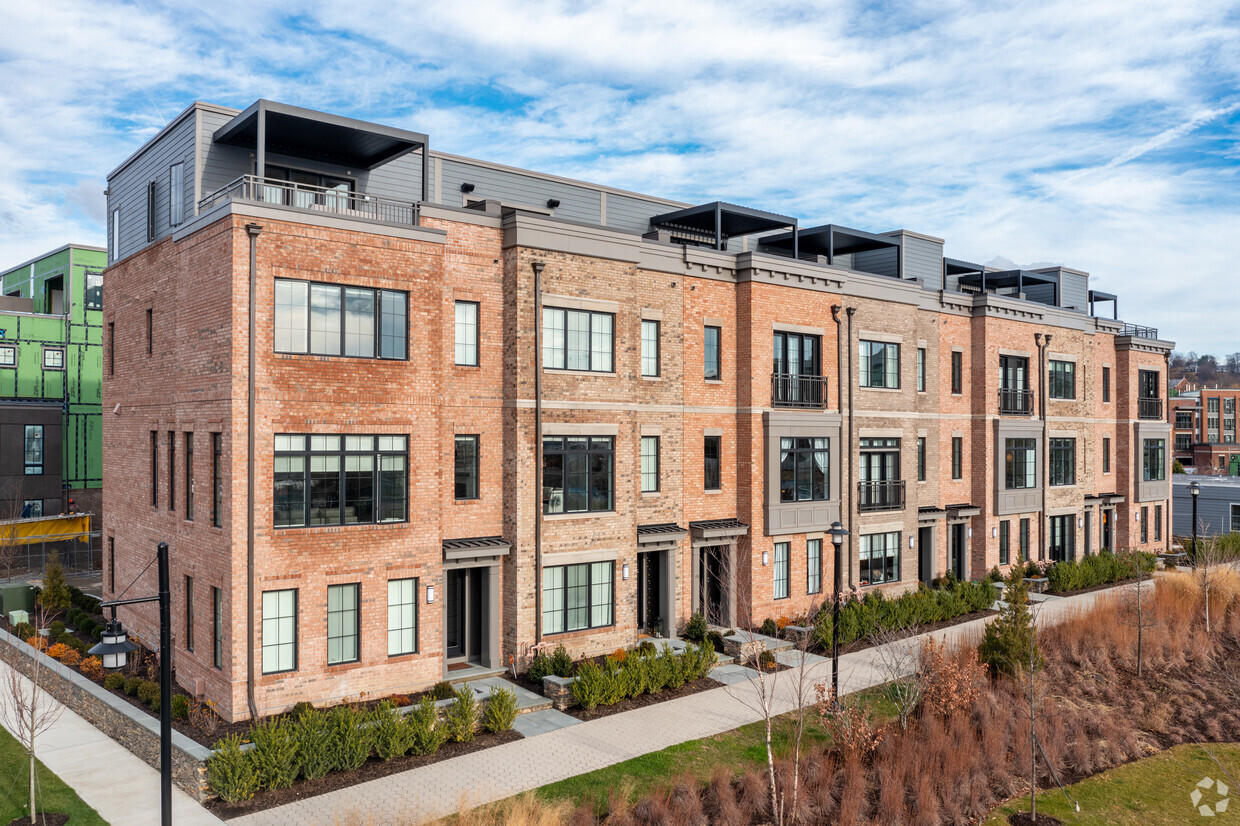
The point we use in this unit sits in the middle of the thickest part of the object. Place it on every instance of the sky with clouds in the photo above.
(1101, 135)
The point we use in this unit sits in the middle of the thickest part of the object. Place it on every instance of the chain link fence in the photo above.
(78, 552)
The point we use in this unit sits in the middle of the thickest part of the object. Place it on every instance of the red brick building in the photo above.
(323, 390)
(1203, 425)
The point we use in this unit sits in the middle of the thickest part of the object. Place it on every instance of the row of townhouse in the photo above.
(1203, 427)
(401, 414)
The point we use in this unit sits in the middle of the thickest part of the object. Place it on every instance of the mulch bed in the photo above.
(372, 769)
(1104, 586)
(864, 643)
(45, 819)
(643, 700)
(1023, 819)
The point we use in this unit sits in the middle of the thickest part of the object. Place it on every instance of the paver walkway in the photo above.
(120, 787)
(440, 789)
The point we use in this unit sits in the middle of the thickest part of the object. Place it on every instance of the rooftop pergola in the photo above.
(720, 221)
(830, 240)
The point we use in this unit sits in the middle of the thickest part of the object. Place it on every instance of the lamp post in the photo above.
(1194, 488)
(114, 651)
(837, 540)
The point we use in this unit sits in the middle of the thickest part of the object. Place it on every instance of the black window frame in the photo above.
(296, 632)
(154, 468)
(342, 452)
(217, 627)
(1106, 454)
(1158, 520)
(217, 480)
(782, 361)
(712, 466)
(1061, 537)
(176, 194)
(378, 295)
(712, 371)
(1106, 384)
(1024, 539)
(189, 476)
(790, 476)
(1012, 465)
(921, 458)
(957, 373)
(1184, 420)
(1145, 524)
(866, 559)
(589, 588)
(1156, 450)
(456, 333)
(1005, 541)
(356, 611)
(1061, 380)
(39, 443)
(813, 566)
(957, 457)
(189, 613)
(548, 347)
(921, 369)
(402, 628)
(1183, 442)
(882, 351)
(595, 447)
(657, 344)
(641, 458)
(172, 471)
(1062, 459)
(471, 467)
(781, 571)
(93, 290)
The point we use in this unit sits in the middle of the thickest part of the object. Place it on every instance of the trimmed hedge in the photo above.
(641, 672)
(925, 606)
(1095, 569)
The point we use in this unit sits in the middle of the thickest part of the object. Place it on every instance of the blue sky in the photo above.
(1103, 136)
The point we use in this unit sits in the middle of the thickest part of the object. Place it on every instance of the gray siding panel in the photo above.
(577, 203)
(220, 164)
(1074, 291)
(634, 214)
(1041, 293)
(1213, 508)
(923, 259)
(879, 262)
(127, 191)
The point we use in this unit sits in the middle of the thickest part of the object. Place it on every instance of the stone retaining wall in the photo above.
(132, 728)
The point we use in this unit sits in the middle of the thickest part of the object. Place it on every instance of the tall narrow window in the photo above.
(880, 364)
(712, 355)
(150, 210)
(217, 627)
(1024, 540)
(393, 324)
(921, 369)
(1145, 524)
(957, 372)
(1005, 541)
(711, 447)
(782, 570)
(33, 450)
(1061, 537)
(813, 566)
(957, 457)
(1062, 384)
(650, 348)
(154, 469)
(176, 193)
(189, 613)
(467, 333)
(279, 631)
(114, 237)
(359, 322)
(1158, 520)
(1106, 385)
(217, 480)
(1106, 454)
(111, 348)
(1154, 460)
(172, 470)
(150, 331)
(466, 467)
(921, 458)
(342, 623)
(402, 616)
(650, 464)
(189, 476)
(1020, 467)
(111, 564)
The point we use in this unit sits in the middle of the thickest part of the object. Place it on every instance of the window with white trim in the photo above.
(467, 333)
(650, 348)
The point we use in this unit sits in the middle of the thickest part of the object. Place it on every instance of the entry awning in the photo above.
(963, 510)
(718, 528)
(660, 533)
(1112, 498)
(475, 548)
(930, 514)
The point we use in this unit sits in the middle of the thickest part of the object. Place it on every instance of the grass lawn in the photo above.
(53, 794)
(738, 750)
(1150, 792)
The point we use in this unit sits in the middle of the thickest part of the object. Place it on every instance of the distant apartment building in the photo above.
(1203, 424)
(400, 412)
(51, 349)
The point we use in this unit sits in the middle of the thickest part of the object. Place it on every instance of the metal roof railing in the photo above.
(345, 203)
(1138, 331)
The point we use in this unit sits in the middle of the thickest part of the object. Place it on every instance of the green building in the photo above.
(51, 358)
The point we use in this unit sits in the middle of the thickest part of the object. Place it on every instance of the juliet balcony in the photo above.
(887, 495)
(796, 390)
(1149, 409)
(1014, 402)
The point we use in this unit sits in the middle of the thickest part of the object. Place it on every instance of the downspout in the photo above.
(839, 391)
(252, 230)
(538, 480)
(1041, 342)
(852, 482)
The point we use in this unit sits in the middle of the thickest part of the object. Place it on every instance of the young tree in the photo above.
(11, 505)
(1209, 566)
(1137, 606)
(1011, 640)
(899, 663)
(55, 597)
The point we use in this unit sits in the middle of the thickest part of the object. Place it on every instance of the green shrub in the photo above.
(1096, 569)
(147, 689)
(561, 662)
(658, 672)
(154, 702)
(716, 640)
(1011, 639)
(392, 736)
(353, 740)
(461, 718)
(501, 710)
(299, 709)
(314, 741)
(87, 627)
(276, 754)
(695, 629)
(23, 630)
(57, 629)
(231, 771)
(702, 660)
(73, 617)
(180, 707)
(632, 678)
(131, 685)
(73, 642)
(592, 687)
(769, 628)
(766, 660)
(96, 633)
(647, 647)
(674, 665)
(540, 666)
(426, 734)
(443, 691)
(114, 681)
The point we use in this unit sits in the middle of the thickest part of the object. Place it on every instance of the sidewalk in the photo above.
(440, 789)
(115, 783)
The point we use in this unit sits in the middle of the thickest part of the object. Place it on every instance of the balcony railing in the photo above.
(794, 390)
(256, 190)
(1015, 402)
(881, 496)
(1138, 331)
(1149, 409)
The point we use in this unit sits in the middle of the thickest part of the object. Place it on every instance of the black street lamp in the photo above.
(114, 651)
(1194, 488)
(837, 539)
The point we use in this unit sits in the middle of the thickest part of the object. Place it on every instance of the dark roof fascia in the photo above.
(238, 123)
(822, 237)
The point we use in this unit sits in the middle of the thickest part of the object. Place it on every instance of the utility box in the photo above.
(16, 598)
(18, 617)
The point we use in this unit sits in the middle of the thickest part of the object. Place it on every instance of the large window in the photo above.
(1062, 540)
(880, 558)
(650, 348)
(578, 473)
(1063, 461)
(813, 566)
(467, 333)
(957, 457)
(94, 291)
(1019, 458)
(339, 480)
(712, 449)
(576, 597)
(712, 353)
(1062, 384)
(1154, 458)
(880, 364)
(331, 320)
(33, 450)
(402, 616)
(650, 464)
(803, 469)
(577, 340)
(466, 461)
(797, 354)
(1183, 420)
(782, 570)
(279, 631)
(342, 623)
(1183, 442)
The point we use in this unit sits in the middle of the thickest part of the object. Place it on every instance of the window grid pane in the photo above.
(467, 333)
(333, 480)
(577, 597)
(650, 348)
(813, 561)
(402, 616)
(279, 630)
(781, 570)
(342, 623)
(650, 464)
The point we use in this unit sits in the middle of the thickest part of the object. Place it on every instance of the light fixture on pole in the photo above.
(114, 651)
(837, 540)
(1194, 488)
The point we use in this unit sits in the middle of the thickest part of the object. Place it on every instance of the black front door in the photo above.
(648, 586)
(956, 550)
(463, 613)
(925, 554)
(711, 582)
(1108, 526)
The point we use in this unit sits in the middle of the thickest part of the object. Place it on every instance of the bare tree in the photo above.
(899, 663)
(28, 711)
(1209, 568)
(11, 506)
(1137, 607)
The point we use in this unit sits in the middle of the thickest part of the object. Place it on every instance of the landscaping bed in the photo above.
(643, 700)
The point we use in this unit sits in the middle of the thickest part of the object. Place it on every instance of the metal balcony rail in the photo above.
(1013, 401)
(795, 390)
(256, 190)
(1149, 409)
(887, 495)
(1138, 331)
